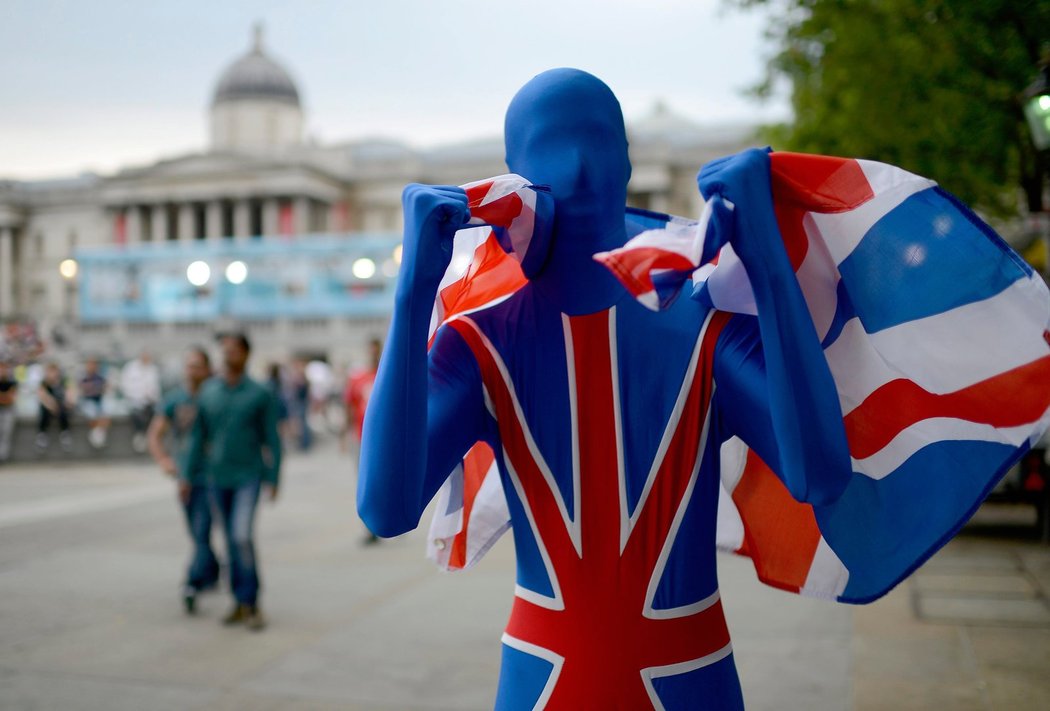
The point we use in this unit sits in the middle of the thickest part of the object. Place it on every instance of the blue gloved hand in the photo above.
(432, 213)
(742, 179)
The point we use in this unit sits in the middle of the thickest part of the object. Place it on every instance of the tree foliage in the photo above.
(932, 86)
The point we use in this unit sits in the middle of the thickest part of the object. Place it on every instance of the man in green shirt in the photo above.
(177, 416)
(235, 448)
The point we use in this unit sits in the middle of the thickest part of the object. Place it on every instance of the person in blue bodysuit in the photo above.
(606, 419)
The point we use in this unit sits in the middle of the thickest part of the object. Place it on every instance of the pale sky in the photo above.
(101, 84)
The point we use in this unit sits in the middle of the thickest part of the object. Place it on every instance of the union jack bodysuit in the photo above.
(891, 371)
(617, 601)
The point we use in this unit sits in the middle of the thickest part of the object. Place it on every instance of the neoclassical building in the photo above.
(105, 259)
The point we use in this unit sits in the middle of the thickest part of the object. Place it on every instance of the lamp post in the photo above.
(1036, 105)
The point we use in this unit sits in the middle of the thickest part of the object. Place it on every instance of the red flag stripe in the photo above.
(475, 466)
(780, 534)
(1010, 399)
(637, 277)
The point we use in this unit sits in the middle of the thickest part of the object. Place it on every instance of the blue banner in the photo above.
(311, 276)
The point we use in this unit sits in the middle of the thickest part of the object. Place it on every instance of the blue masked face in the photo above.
(565, 129)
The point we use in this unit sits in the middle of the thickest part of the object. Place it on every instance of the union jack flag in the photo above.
(935, 333)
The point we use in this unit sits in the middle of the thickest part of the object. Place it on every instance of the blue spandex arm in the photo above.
(425, 412)
(741, 393)
(426, 409)
(777, 394)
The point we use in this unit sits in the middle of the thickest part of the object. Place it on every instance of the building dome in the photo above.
(256, 105)
(256, 76)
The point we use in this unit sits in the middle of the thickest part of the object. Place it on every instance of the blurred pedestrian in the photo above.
(92, 387)
(235, 448)
(322, 384)
(299, 404)
(177, 415)
(8, 396)
(54, 398)
(355, 399)
(275, 384)
(140, 383)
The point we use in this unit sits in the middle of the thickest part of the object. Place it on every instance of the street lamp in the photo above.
(68, 269)
(1037, 108)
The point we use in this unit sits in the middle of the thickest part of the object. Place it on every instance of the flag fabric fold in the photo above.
(505, 239)
(935, 333)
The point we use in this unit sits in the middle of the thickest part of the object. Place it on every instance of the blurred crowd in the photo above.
(54, 394)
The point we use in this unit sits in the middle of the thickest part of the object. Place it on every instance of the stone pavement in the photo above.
(91, 557)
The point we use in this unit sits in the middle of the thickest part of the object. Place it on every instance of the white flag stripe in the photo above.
(489, 519)
(733, 457)
(729, 286)
(980, 340)
(827, 575)
(729, 532)
(848, 229)
(521, 229)
(650, 300)
(679, 241)
(883, 177)
(937, 429)
(818, 279)
(448, 518)
(502, 185)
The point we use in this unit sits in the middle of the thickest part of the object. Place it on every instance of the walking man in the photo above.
(234, 447)
(177, 415)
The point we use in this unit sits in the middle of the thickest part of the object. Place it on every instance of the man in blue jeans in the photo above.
(177, 415)
(235, 448)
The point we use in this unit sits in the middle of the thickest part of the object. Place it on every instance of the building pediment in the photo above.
(207, 176)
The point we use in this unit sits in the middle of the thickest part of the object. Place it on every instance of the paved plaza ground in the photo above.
(91, 557)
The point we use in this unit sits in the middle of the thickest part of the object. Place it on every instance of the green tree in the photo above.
(932, 86)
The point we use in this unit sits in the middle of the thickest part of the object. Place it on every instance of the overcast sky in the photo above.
(100, 84)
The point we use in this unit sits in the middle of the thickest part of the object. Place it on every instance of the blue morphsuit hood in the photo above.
(564, 129)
